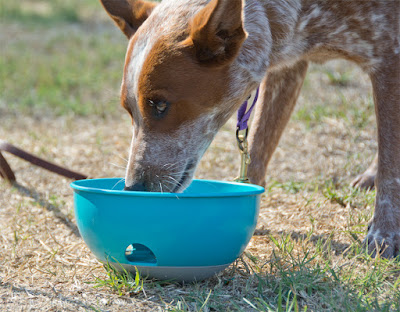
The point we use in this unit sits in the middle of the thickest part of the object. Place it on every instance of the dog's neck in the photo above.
(271, 27)
(283, 16)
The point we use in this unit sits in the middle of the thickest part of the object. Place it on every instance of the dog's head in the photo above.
(181, 83)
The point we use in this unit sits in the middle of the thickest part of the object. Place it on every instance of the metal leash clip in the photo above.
(241, 137)
(242, 130)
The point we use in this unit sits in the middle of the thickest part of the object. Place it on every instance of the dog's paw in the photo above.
(364, 181)
(383, 241)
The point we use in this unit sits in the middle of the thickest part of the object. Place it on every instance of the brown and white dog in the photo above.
(191, 63)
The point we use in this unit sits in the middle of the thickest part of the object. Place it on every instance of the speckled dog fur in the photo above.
(191, 63)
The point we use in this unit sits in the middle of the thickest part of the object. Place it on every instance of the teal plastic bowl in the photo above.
(187, 236)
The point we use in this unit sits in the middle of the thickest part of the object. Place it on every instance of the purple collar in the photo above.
(243, 116)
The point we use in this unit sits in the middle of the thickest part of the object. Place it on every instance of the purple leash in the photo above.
(243, 116)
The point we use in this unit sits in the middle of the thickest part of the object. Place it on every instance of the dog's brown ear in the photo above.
(128, 14)
(217, 32)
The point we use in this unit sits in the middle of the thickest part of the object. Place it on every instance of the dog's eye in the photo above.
(160, 107)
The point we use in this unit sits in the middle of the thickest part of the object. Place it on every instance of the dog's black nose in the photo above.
(138, 187)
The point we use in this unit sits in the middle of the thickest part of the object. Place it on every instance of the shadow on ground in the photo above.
(41, 201)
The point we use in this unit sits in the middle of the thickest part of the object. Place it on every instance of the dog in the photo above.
(191, 63)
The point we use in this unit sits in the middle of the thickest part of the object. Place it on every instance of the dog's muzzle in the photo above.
(138, 187)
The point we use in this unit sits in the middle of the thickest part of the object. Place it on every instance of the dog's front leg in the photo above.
(384, 230)
(278, 95)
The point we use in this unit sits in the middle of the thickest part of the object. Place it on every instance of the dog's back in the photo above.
(365, 32)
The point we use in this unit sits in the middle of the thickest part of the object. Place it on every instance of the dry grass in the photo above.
(306, 252)
(307, 212)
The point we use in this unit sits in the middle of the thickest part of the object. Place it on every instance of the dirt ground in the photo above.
(45, 265)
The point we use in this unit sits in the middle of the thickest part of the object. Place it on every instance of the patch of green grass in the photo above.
(338, 78)
(120, 281)
(55, 60)
(198, 303)
(292, 187)
(356, 115)
(346, 105)
(316, 114)
(291, 304)
(302, 279)
(45, 13)
(354, 197)
(77, 73)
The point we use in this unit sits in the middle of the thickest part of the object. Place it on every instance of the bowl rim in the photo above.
(252, 189)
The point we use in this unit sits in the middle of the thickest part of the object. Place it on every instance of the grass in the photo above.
(348, 196)
(60, 72)
(62, 76)
(73, 71)
(296, 278)
(341, 79)
(357, 116)
(41, 13)
(119, 280)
